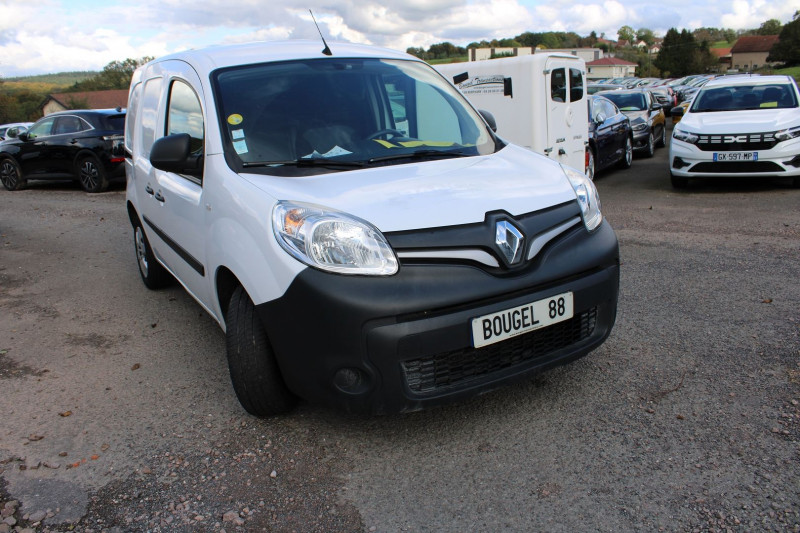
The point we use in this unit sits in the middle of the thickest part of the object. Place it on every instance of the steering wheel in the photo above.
(387, 131)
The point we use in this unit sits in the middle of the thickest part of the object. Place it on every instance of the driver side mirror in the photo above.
(489, 118)
(172, 154)
(25, 136)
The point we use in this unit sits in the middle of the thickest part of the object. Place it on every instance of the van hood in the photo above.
(432, 193)
(748, 121)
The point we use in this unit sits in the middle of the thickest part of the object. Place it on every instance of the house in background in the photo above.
(85, 100)
(723, 55)
(610, 67)
(750, 52)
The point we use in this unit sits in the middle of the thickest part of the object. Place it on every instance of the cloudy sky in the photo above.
(46, 36)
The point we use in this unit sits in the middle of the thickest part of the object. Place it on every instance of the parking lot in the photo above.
(117, 410)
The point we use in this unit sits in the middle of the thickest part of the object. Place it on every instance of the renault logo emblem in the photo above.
(509, 241)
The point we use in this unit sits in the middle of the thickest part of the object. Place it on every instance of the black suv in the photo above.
(86, 145)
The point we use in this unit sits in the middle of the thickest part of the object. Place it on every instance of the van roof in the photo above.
(215, 57)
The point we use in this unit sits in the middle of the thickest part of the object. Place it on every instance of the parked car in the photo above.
(647, 118)
(610, 136)
(84, 145)
(353, 257)
(13, 129)
(593, 88)
(664, 95)
(739, 126)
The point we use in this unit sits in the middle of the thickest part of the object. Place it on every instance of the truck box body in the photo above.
(538, 101)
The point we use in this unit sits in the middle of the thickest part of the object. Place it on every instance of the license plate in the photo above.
(496, 327)
(735, 156)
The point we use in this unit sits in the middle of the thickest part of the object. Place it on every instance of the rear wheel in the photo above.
(11, 175)
(254, 370)
(627, 157)
(91, 174)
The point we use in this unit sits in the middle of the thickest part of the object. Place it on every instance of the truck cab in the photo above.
(538, 101)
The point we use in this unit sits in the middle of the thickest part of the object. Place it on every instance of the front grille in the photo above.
(736, 167)
(462, 367)
(736, 142)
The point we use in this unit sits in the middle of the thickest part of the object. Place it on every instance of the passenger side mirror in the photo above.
(676, 111)
(489, 118)
(23, 136)
(600, 118)
(172, 154)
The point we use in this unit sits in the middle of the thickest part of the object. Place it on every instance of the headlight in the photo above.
(685, 136)
(332, 241)
(640, 126)
(587, 195)
(785, 135)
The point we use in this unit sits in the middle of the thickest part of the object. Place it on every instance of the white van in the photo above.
(361, 235)
(538, 101)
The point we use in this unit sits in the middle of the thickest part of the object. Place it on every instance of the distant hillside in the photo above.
(62, 79)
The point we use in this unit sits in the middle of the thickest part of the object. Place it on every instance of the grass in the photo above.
(459, 59)
(791, 71)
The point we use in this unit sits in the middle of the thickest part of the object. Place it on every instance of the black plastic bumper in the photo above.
(405, 341)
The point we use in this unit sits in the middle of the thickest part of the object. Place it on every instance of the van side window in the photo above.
(558, 85)
(575, 85)
(184, 115)
(152, 94)
(130, 117)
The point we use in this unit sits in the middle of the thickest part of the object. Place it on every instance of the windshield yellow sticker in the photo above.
(769, 104)
(235, 119)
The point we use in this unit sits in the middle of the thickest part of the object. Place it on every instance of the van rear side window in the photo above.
(152, 94)
(558, 85)
(575, 85)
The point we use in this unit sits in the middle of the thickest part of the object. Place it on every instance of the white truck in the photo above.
(538, 101)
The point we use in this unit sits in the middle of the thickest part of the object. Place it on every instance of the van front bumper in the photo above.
(404, 342)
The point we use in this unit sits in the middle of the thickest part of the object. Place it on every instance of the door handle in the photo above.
(159, 197)
(148, 189)
(561, 151)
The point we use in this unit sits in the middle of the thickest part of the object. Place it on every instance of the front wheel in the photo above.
(254, 370)
(91, 174)
(678, 182)
(651, 145)
(627, 157)
(662, 141)
(153, 274)
(11, 175)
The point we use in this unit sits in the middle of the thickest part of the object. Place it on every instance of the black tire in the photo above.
(796, 183)
(627, 158)
(255, 375)
(154, 275)
(591, 168)
(91, 174)
(662, 140)
(650, 149)
(11, 175)
(678, 182)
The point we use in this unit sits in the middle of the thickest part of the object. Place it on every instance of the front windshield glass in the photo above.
(323, 115)
(742, 97)
(628, 101)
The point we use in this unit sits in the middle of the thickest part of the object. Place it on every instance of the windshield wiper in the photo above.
(310, 162)
(420, 154)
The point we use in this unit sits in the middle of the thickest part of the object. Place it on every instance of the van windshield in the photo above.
(326, 115)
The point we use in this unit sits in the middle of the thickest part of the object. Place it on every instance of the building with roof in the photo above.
(750, 52)
(723, 56)
(85, 100)
(610, 67)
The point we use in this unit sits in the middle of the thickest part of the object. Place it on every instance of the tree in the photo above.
(770, 27)
(787, 49)
(626, 33)
(646, 35)
(115, 75)
(670, 57)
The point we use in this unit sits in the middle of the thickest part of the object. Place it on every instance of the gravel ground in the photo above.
(117, 412)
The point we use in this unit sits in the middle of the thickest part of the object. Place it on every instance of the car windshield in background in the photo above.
(741, 97)
(282, 118)
(628, 101)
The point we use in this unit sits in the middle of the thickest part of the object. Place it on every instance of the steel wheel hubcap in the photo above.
(141, 251)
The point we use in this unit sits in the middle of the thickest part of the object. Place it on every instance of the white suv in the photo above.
(357, 229)
(739, 126)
